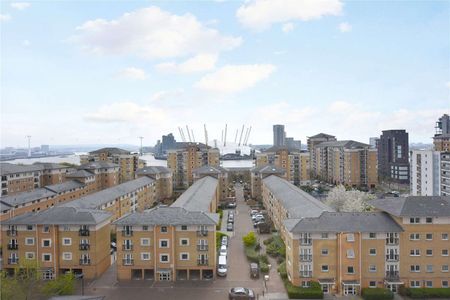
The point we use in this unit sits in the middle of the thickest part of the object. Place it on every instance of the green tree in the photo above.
(62, 285)
(249, 239)
(23, 283)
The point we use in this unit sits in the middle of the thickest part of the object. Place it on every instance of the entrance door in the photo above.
(325, 289)
(349, 290)
(393, 288)
(164, 276)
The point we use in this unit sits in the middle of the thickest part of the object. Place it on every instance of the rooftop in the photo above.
(322, 135)
(348, 144)
(280, 148)
(97, 165)
(61, 216)
(297, 202)
(110, 150)
(96, 200)
(414, 206)
(80, 174)
(199, 195)
(210, 170)
(268, 169)
(25, 197)
(166, 216)
(64, 186)
(7, 168)
(153, 170)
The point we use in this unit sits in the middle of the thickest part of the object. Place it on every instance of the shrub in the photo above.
(377, 294)
(428, 293)
(263, 258)
(272, 250)
(295, 292)
(280, 259)
(257, 247)
(263, 267)
(282, 271)
(268, 241)
(402, 290)
(251, 254)
(249, 239)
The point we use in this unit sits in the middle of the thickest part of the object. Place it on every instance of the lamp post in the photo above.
(81, 276)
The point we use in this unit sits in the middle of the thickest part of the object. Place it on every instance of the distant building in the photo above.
(445, 174)
(393, 156)
(291, 143)
(312, 142)
(441, 139)
(45, 148)
(163, 178)
(373, 142)
(279, 135)
(425, 173)
(443, 125)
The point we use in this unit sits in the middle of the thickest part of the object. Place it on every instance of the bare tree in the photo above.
(349, 201)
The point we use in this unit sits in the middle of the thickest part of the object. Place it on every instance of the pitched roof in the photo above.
(207, 169)
(166, 216)
(199, 195)
(153, 170)
(279, 148)
(25, 197)
(322, 135)
(110, 150)
(96, 200)
(414, 206)
(297, 202)
(348, 144)
(61, 216)
(268, 169)
(347, 222)
(97, 165)
(51, 166)
(8, 168)
(64, 186)
(80, 174)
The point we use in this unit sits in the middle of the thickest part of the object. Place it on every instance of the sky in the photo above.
(107, 72)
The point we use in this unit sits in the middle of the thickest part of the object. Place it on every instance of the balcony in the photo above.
(393, 257)
(392, 275)
(85, 261)
(306, 274)
(85, 246)
(202, 232)
(305, 257)
(306, 242)
(202, 262)
(84, 232)
(13, 261)
(13, 246)
(392, 241)
(128, 262)
(202, 247)
(127, 247)
(11, 232)
(127, 232)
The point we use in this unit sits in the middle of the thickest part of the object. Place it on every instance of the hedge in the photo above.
(219, 236)
(282, 270)
(263, 258)
(377, 294)
(268, 241)
(263, 267)
(428, 292)
(251, 254)
(296, 292)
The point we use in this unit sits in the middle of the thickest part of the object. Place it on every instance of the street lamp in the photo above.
(81, 276)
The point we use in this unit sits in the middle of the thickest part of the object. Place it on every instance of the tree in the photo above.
(348, 201)
(23, 283)
(249, 239)
(62, 285)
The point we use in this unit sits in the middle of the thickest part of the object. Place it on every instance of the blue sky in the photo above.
(84, 72)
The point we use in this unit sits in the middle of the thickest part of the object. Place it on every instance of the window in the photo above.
(145, 242)
(350, 270)
(46, 257)
(47, 274)
(429, 220)
(29, 227)
(372, 268)
(184, 256)
(324, 235)
(372, 235)
(445, 283)
(306, 284)
(184, 242)
(414, 220)
(164, 229)
(145, 227)
(414, 252)
(29, 255)
(429, 284)
(46, 243)
(415, 284)
(444, 268)
(164, 258)
(372, 251)
(325, 268)
(429, 252)
(445, 236)
(145, 256)
(67, 241)
(350, 253)
(29, 241)
(444, 252)
(372, 284)
(415, 268)
(67, 256)
(414, 236)
(45, 228)
(324, 252)
(66, 228)
(163, 243)
(429, 268)
(183, 227)
(350, 237)
(429, 236)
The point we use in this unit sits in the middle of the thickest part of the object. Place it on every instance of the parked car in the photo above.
(254, 270)
(241, 293)
(224, 241)
(257, 223)
(222, 266)
(257, 217)
(231, 205)
(230, 227)
(223, 250)
(254, 212)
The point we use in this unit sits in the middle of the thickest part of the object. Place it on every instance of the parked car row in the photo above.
(222, 267)
(230, 225)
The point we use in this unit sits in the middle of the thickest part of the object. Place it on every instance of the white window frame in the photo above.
(444, 285)
(414, 283)
(350, 253)
(443, 267)
(444, 236)
(164, 254)
(427, 285)
(414, 252)
(322, 252)
(68, 254)
(414, 268)
(327, 268)
(33, 254)
(372, 268)
(429, 269)
(184, 239)
(181, 256)
(44, 227)
(164, 240)
(414, 236)
(29, 238)
(145, 239)
(426, 238)
(44, 254)
(444, 254)
(50, 244)
(350, 237)
(145, 253)
(373, 254)
(70, 241)
(372, 286)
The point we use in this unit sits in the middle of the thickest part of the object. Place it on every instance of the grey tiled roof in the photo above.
(80, 174)
(297, 202)
(322, 135)
(51, 166)
(98, 165)
(4, 206)
(199, 195)
(166, 216)
(153, 170)
(278, 148)
(64, 186)
(268, 169)
(26, 197)
(7, 168)
(96, 200)
(209, 170)
(61, 216)
(347, 222)
(414, 206)
(345, 144)
(110, 150)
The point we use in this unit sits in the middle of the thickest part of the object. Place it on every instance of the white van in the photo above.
(222, 266)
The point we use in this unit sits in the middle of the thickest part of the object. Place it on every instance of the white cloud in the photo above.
(288, 27)
(345, 27)
(234, 78)
(198, 63)
(20, 5)
(152, 33)
(126, 112)
(5, 17)
(164, 95)
(448, 84)
(133, 73)
(261, 14)
(26, 43)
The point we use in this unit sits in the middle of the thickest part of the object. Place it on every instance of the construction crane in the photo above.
(240, 137)
(189, 135)
(206, 135)
(235, 138)
(225, 140)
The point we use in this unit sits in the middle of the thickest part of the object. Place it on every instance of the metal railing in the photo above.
(127, 247)
(85, 246)
(128, 262)
(306, 242)
(305, 257)
(392, 275)
(202, 247)
(202, 232)
(394, 257)
(84, 232)
(306, 274)
(13, 246)
(127, 232)
(85, 261)
(13, 261)
(392, 241)
(202, 262)
(11, 232)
